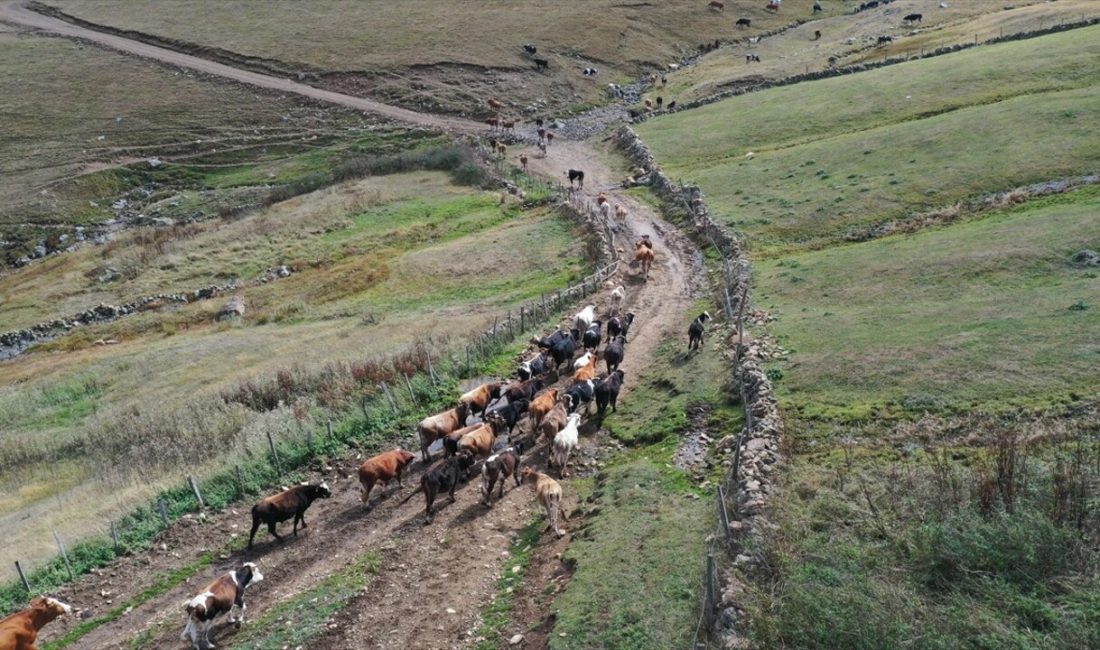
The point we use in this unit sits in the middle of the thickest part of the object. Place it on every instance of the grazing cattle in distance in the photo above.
(434, 427)
(617, 296)
(523, 161)
(20, 630)
(581, 393)
(541, 64)
(501, 149)
(382, 469)
(542, 404)
(615, 90)
(590, 72)
(644, 255)
(660, 102)
(592, 336)
(549, 494)
(752, 58)
(284, 505)
(479, 399)
(508, 125)
(575, 175)
(550, 141)
(512, 412)
(695, 331)
(495, 104)
(817, 34)
(442, 475)
(564, 443)
(219, 597)
(614, 352)
(716, 5)
(744, 22)
(554, 420)
(607, 392)
(773, 5)
(885, 39)
(542, 134)
(530, 49)
(671, 105)
(617, 326)
(913, 18)
(817, 7)
(492, 122)
(500, 466)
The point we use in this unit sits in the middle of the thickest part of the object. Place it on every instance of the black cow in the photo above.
(284, 505)
(590, 72)
(672, 105)
(613, 353)
(575, 175)
(695, 331)
(563, 351)
(607, 392)
(549, 341)
(660, 100)
(523, 390)
(634, 114)
(581, 391)
(619, 325)
(817, 7)
(530, 49)
(817, 34)
(541, 64)
(749, 58)
(540, 365)
(441, 475)
(744, 22)
(885, 39)
(592, 336)
(512, 412)
(913, 18)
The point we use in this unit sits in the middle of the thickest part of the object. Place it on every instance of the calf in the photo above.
(744, 22)
(530, 49)
(672, 105)
(550, 141)
(614, 352)
(752, 58)
(817, 34)
(716, 5)
(617, 296)
(219, 597)
(592, 336)
(590, 72)
(500, 466)
(913, 18)
(20, 630)
(523, 161)
(620, 211)
(554, 420)
(817, 7)
(541, 64)
(607, 392)
(548, 341)
(495, 104)
(437, 426)
(284, 505)
(581, 392)
(695, 331)
(620, 326)
(882, 40)
(383, 468)
(548, 491)
(479, 399)
(541, 405)
(575, 175)
(564, 443)
(512, 412)
(442, 475)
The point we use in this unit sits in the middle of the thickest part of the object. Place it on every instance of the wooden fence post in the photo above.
(195, 489)
(22, 576)
(274, 454)
(64, 554)
(114, 537)
(309, 439)
(412, 395)
(522, 320)
(468, 371)
(240, 479)
(708, 611)
(389, 397)
(163, 511)
(328, 428)
(431, 371)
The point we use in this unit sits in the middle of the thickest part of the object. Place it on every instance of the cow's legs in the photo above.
(271, 529)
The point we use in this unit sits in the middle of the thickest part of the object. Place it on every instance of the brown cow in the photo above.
(437, 426)
(523, 161)
(550, 138)
(492, 122)
(383, 468)
(644, 254)
(495, 104)
(479, 442)
(716, 5)
(502, 149)
(284, 505)
(549, 493)
(500, 466)
(555, 420)
(540, 406)
(20, 630)
(481, 398)
(219, 597)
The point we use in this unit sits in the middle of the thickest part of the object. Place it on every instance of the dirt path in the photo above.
(13, 11)
(435, 579)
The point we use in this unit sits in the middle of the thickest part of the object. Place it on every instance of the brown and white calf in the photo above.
(499, 466)
(383, 468)
(218, 598)
(20, 630)
(548, 491)
(555, 420)
(284, 505)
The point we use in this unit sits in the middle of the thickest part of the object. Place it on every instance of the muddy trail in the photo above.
(456, 560)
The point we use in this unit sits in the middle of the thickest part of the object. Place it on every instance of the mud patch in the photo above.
(691, 454)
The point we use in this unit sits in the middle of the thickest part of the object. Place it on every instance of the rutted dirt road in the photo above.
(427, 571)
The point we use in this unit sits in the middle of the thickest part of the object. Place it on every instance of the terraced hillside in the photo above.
(940, 335)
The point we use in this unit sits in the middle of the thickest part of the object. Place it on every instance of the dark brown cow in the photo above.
(441, 475)
(383, 468)
(499, 466)
(218, 598)
(284, 505)
(20, 630)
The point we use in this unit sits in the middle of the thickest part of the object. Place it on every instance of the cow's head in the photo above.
(51, 607)
(248, 574)
(405, 457)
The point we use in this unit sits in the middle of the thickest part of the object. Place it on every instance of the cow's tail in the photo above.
(413, 493)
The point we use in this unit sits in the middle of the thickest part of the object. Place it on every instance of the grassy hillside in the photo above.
(842, 153)
(380, 265)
